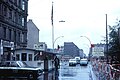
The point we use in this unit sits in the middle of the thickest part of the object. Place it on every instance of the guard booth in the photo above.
(35, 58)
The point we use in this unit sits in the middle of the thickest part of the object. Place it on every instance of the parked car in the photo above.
(84, 62)
(77, 60)
(72, 62)
(19, 69)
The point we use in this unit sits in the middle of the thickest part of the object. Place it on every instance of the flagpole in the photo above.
(106, 39)
(52, 28)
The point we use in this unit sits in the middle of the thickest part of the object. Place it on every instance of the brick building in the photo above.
(13, 26)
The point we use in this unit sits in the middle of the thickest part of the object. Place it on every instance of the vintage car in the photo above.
(19, 69)
(77, 60)
(72, 62)
(84, 62)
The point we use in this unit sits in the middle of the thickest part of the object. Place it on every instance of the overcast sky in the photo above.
(82, 18)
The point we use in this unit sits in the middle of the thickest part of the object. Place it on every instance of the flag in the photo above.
(52, 14)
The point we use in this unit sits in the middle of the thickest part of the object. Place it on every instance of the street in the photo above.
(67, 72)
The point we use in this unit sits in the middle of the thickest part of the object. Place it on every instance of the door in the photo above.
(24, 57)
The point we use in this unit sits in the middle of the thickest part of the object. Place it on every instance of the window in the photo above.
(4, 32)
(20, 3)
(17, 57)
(19, 36)
(24, 57)
(16, 17)
(37, 57)
(22, 37)
(20, 21)
(15, 1)
(5, 11)
(10, 14)
(23, 21)
(30, 57)
(10, 34)
(23, 5)
(15, 36)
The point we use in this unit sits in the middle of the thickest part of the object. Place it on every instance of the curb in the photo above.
(92, 74)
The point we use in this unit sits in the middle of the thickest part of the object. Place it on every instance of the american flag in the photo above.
(52, 14)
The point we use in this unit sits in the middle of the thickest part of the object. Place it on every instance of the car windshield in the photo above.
(22, 64)
(83, 59)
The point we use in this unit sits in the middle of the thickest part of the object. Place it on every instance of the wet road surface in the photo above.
(65, 72)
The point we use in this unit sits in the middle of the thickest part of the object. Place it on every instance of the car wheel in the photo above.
(32, 76)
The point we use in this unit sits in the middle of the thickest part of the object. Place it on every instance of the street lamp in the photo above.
(88, 40)
(91, 45)
(56, 40)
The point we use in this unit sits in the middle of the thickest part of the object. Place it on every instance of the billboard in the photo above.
(98, 51)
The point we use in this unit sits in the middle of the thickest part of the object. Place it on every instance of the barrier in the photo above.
(104, 71)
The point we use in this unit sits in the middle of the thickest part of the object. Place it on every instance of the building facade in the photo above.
(32, 34)
(71, 49)
(13, 26)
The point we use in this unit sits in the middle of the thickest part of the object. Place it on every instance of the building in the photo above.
(81, 53)
(71, 49)
(32, 34)
(35, 58)
(13, 26)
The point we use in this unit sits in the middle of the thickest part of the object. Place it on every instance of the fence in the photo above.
(104, 71)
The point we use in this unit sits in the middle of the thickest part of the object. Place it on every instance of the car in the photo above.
(19, 69)
(84, 62)
(72, 62)
(77, 60)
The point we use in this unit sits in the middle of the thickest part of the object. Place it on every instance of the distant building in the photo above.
(81, 53)
(71, 49)
(13, 26)
(32, 34)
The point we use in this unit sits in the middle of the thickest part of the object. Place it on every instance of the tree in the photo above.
(114, 44)
(114, 39)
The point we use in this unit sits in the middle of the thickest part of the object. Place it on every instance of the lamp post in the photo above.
(88, 40)
(56, 40)
(90, 52)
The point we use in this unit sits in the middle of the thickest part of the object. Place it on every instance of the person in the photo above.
(56, 61)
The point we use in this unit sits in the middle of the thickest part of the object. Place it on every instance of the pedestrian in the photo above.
(56, 61)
